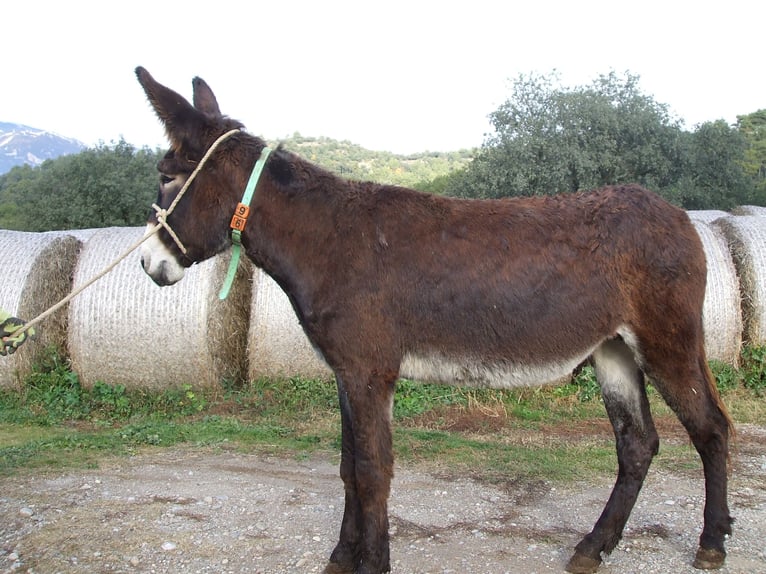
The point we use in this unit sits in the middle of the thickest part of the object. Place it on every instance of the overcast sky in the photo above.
(403, 76)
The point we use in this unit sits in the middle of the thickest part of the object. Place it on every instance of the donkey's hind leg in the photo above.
(624, 393)
(689, 389)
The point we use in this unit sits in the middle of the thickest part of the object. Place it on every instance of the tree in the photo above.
(550, 139)
(712, 176)
(753, 128)
(99, 187)
(19, 182)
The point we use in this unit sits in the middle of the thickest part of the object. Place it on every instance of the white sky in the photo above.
(403, 76)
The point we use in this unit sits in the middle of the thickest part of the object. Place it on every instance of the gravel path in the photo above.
(190, 510)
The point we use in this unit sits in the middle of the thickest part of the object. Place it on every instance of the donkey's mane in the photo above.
(295, 175)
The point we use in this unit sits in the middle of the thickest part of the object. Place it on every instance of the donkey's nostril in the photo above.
(143, 266)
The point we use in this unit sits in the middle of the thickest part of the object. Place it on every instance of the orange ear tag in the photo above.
(239, 219)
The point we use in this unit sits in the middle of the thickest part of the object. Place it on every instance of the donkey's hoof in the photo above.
(343, 560)
(333, 568)
(708, 559)
(582, 564)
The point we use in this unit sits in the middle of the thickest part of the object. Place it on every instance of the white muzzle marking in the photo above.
(159, 262)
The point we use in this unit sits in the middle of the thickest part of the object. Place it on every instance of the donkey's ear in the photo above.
(204, 99)
(181, 120)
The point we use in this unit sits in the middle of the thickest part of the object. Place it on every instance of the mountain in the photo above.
(21, 144)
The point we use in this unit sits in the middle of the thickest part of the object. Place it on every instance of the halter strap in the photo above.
(239, 220)
(162, 214)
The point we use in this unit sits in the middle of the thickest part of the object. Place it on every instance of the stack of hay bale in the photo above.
(37, 273)
(722, 313)
(126, 330)
(277, 345)
(746, 235)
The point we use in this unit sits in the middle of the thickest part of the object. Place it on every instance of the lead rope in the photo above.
(162, 215)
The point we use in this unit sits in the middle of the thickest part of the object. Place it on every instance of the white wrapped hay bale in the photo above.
(37, 273)
(746, 236)
(126, 330)
(722, 311)
(277, 345)
(706, 215)
(80, 234)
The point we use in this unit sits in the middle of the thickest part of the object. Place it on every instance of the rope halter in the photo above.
(162, 219)
(162, 214)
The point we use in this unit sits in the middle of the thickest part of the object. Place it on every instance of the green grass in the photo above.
(54, 422)
(486, 455)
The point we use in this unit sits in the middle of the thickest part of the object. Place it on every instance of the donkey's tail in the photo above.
(713, 389)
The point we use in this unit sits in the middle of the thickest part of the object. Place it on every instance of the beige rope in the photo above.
(162, 214)
(161, 218)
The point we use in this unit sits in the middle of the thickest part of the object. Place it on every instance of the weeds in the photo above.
(56, 421)
(413, 398)
(754, 369)
(54, 394)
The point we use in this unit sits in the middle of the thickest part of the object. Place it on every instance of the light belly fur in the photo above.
(468, 371)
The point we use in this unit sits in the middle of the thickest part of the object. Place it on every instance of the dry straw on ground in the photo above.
(747, 243)
(722, 312)
(37, 273)
(126, 330)
(277, 344)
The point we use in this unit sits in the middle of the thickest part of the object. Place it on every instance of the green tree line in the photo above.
(115, 184)
(108, 185)
(547, 139)
(355, 162)
(551, 139)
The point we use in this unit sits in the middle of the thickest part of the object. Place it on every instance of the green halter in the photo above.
(239, 220)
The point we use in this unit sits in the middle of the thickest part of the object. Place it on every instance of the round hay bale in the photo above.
(126, 330)
(746, 236)
(81, 234)
(755, 210)
(37, 269)
(277, 345)
(706, 215)
(722, 311)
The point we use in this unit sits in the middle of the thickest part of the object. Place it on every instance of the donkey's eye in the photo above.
(165, 179)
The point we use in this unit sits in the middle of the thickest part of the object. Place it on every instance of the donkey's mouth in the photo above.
(164, 274)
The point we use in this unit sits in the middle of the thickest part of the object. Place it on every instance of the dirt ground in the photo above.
(200, 510)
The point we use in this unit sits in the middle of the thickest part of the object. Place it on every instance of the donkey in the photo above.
(389, 282)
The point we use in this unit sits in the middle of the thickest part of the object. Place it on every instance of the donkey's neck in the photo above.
(297, 234)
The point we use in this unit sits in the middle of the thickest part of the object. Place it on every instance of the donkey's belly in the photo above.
(470, 371)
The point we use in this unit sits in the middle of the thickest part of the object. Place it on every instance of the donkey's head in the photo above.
(201, 218)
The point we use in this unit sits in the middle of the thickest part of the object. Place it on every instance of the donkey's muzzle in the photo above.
(160, 263)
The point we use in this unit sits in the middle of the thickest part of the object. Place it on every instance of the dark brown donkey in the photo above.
(390, 282)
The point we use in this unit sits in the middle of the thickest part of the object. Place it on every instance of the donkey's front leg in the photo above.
(366, 469)
(346, 555)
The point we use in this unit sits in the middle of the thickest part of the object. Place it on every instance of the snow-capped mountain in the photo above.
(21, 144)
